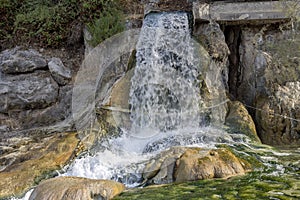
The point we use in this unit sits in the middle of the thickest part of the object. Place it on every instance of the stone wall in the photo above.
(34, 92)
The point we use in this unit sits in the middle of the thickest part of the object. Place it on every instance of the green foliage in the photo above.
(108, 24)
(51, 22)
(43, 21)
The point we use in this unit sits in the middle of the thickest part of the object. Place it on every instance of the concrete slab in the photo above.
(236, 12)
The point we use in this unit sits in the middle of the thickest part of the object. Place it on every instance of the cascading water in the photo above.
(165, 86)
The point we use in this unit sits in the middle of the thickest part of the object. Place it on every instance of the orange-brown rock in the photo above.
(34, 161)
(240, 121)
(180, 164)
(196, 164)
(74, 188)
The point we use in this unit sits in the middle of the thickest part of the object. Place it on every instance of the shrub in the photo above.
(109, 23)
(49, 22)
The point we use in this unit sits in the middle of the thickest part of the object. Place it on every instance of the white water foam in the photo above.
(124, 158)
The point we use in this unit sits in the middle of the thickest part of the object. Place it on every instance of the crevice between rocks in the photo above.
(233, 40)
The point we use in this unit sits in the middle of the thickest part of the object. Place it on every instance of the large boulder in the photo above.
(74, 188)
(240, 121)
(180, 164)
(14, 61)
(196, 164)
(55, 113)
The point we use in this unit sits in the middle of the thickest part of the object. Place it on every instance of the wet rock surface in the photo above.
(73, 188)
(27, 160)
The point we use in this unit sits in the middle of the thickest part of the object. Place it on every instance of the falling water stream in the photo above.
(165, 104)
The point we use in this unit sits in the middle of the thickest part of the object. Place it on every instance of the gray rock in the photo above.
(213, 40)
(59, 72)
(27, 91)
(15, 61)
(47, 116)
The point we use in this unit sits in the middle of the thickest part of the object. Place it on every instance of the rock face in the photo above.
(179, 164)
(73, 188)
(29, 159)
(267, 81)
(279, 116)
(31, 95)
(33, 106)
(27, 91)
(213, 40)
(215, 74)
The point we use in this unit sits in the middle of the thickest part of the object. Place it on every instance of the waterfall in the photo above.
(166, 104)
(165, 88)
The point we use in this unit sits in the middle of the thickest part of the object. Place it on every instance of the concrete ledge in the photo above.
(167, 6)
(229, 12)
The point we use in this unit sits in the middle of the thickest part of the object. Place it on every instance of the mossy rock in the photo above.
(251, 186)
(240, 121)
(181, 164)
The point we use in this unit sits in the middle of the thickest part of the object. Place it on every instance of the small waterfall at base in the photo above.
(165, 104)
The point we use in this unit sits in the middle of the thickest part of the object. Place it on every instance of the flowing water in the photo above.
(164, 93)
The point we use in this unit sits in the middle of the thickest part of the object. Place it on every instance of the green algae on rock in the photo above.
(240, 121)
(250, 186)
(180, 164)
